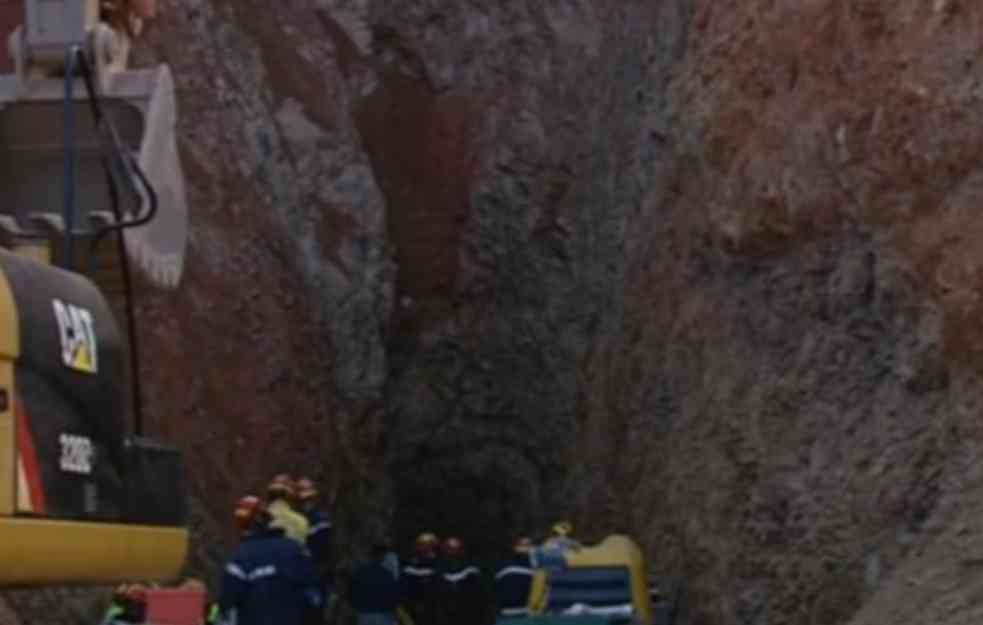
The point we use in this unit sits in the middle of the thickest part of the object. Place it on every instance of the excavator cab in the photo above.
(92, 201)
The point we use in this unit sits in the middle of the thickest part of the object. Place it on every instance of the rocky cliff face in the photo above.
(701, 271)
(790, 411)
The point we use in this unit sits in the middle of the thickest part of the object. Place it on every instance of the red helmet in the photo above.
(453, 546)
(246, 512)
(137, 593)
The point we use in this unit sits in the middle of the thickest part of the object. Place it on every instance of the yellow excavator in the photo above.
(92, 201)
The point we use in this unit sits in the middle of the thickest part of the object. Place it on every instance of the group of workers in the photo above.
(281, 572)
(440, 585)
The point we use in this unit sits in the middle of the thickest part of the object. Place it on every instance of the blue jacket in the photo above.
(421, 578)
(319, 543)
(374, 589)
(269, 579)
(512, 585)
(461, 593)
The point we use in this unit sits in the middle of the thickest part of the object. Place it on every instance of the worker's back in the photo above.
(269, 580)
(512, 585)
(374, 590)
(421, 578)
(461, 595)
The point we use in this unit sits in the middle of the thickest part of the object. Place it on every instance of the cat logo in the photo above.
(78, 338)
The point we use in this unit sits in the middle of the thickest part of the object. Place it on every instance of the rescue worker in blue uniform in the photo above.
(376, 592)
(461, 594)
(269, 578)
(514, 581)
(318, 541)
(243, 518)
(561, 537)
(421, 575)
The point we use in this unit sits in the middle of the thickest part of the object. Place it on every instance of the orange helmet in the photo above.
(247, 510)
(453, 546)
(306, 489)
(282, 485)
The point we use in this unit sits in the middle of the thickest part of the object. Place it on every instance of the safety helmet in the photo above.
(247, 510)
(453, 546)
(137, 593)
(562, 528)
(282, 485)
(121, 591)
(427, 544)
(523, 544)
(306, 489)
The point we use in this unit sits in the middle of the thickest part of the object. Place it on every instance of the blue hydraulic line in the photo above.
(68, 210)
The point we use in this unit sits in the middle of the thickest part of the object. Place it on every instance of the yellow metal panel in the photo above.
(9, 351)
(537, 593)
(8, 469)
(62, 552)
(616, 550)
(9, 322)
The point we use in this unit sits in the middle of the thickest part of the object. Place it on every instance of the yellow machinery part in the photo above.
(615, 551)
(8, 461)
(37, 551)
(537, 593)
(9, 351)
(619, 550)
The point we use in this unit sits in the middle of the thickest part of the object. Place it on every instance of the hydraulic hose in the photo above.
(118, 227)
(68, 209)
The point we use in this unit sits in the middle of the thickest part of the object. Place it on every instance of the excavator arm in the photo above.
(52, 151)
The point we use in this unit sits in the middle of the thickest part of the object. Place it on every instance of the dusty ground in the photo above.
(702, 271)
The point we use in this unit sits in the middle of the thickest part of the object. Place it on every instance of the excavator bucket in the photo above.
(46, 137)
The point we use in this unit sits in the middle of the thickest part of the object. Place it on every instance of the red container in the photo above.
(175, 606)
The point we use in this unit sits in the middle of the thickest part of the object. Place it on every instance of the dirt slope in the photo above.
(799, 431)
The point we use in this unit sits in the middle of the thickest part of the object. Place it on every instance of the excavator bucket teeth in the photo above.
(140, 104)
